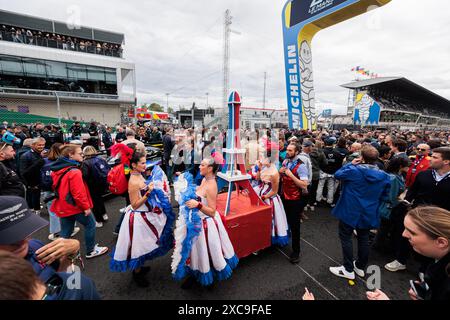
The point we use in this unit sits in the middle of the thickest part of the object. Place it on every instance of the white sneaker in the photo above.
(98, 224)
(306, 208)
(312, 208)
(395, 266)
(359, 272)
(341, 272)
(98, 251)
(105, 217)
(53, 236)
(75, 231)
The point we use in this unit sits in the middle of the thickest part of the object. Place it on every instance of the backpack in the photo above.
(117, 181)
(100, 170)
(46, 181)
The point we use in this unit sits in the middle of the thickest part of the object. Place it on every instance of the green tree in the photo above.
(155, 107)
(170, 110)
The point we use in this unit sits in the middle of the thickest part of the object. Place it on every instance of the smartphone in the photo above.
(419, 289)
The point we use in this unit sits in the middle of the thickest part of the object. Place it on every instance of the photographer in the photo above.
(54, 263)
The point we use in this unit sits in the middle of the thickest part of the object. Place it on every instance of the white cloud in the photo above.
(177, 46)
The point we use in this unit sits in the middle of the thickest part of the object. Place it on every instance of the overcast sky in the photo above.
(177, 46)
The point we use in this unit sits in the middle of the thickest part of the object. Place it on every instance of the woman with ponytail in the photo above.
(428, 231)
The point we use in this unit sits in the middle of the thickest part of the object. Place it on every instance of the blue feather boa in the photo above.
(194, 227)
(157, 199)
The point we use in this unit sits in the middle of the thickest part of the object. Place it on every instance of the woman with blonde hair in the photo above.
(46, 185)
(428, 231)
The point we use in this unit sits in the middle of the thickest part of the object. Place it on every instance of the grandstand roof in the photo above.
(402, 88)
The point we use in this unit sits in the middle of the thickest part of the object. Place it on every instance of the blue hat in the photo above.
(9, 138)
(17, 222)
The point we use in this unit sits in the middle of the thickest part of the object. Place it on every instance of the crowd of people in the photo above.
(388, 189)
(58, 41)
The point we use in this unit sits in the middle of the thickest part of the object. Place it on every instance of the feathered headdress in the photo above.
(125, 153)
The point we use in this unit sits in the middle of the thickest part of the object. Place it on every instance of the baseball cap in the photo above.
(17, 221)
(307, 144)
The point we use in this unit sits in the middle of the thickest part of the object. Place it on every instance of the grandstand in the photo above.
(404, 104)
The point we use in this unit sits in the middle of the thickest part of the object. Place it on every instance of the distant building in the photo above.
(44, 61)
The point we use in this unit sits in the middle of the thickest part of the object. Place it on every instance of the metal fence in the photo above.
(26, 106)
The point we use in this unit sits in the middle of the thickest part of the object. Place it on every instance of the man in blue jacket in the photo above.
(364, 188)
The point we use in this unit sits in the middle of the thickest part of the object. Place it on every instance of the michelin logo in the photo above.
(319, 5)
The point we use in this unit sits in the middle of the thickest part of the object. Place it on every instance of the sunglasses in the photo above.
(423, 150)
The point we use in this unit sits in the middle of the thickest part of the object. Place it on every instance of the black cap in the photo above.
(17, 222)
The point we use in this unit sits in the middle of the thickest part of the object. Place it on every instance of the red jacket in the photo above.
(72, 181)
(416, 168)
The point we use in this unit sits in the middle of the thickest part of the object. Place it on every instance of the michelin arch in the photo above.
(302, 19)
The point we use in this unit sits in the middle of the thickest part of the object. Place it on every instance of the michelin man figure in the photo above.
(364, 108)
(307, 83)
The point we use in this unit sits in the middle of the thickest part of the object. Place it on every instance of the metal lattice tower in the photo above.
(226, 58)
(264, 94)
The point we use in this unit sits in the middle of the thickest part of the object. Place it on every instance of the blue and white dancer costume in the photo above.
(280, 235)
(202, 246)
(145, 233)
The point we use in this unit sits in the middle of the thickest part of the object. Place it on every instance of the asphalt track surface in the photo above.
(266, 276)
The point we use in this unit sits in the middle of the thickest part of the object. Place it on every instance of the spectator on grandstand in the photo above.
(420, 163)
(30, 165)
(10, 182)
(73, 202)
(428, 231)
(364, 187)
(51, 262)
(95, 171)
